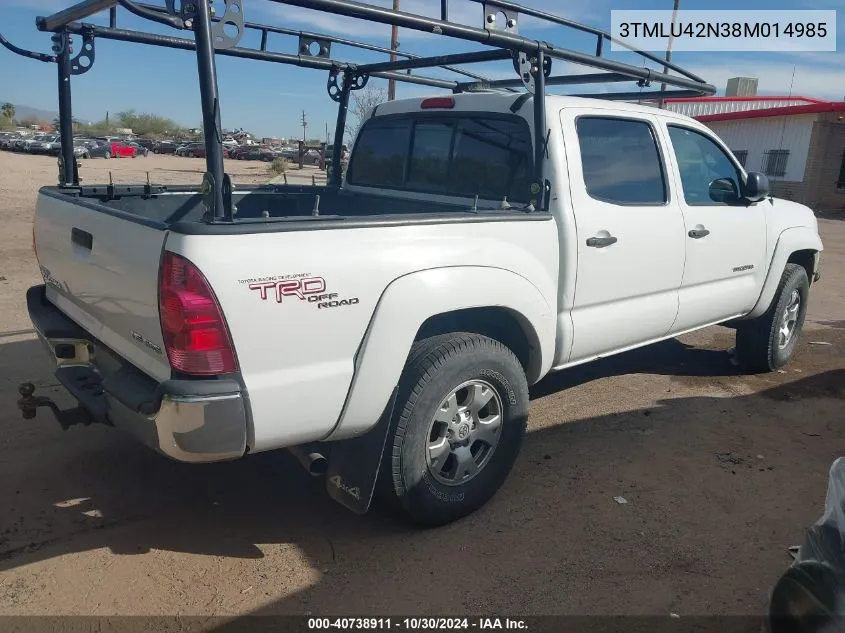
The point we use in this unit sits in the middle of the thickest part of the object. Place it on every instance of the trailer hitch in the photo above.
(29, 402)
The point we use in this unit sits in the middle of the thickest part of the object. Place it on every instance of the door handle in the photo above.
(697, 234)
(601, 242)
(82, 238)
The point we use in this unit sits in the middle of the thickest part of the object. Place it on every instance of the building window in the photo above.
(741, 155)
(840, 182)
(775, 162)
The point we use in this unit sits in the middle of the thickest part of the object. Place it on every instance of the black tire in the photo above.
(758, 341)
(435, 368)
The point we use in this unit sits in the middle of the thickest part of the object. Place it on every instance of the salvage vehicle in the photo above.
(122, 149)
(48, 144)
(140, 150)
(386, 327)
(7, 139)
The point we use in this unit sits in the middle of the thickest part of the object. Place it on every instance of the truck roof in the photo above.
(501, 102)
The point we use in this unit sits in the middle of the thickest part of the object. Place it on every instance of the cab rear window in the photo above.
(463, 155)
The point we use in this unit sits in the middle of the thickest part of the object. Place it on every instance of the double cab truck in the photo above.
(388, 330)
(385, 327)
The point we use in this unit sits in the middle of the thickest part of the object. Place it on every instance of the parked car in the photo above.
(291, 153)
(140, 150)
(197, 150)
(146, 143)
(95, 149)
(165, 147)
(25, 144)
(18, 144)
(257, 152)
(426, 344)
(121, 149)
(191, 150)
(7, 139)
(329, 149)
(109, 149)
(49, 144)
(81, 147)
(240, 151)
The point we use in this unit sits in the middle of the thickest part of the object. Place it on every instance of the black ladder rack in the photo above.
(532, 62)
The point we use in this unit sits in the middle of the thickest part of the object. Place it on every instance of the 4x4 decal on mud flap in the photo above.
(310, 289)
(352, 491)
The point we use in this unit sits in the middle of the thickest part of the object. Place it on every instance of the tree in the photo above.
(8, 111)
(363, 101)
(145, 124)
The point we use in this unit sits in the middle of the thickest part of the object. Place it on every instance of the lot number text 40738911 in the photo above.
(416, 624)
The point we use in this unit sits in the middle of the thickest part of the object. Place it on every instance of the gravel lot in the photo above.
(721, 473)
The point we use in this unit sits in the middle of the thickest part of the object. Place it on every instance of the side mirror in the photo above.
(756, 186)
(723, 190)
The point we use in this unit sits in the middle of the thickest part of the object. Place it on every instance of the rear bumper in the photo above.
(187, 420)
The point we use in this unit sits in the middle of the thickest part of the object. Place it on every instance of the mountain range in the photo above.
(28, 112)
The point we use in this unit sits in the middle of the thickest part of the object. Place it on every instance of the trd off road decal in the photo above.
(301, 286)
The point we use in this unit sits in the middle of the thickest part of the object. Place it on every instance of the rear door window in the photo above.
(621, 161)
(449, 155)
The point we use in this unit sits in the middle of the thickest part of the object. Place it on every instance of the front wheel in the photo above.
(769, 341)
(461, 414)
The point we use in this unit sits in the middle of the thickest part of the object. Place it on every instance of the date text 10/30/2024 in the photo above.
(416, 624)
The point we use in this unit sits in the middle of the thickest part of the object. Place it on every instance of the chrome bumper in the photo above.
(187, 420)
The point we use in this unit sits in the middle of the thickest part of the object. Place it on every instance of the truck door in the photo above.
(630, 233)
(725, 240)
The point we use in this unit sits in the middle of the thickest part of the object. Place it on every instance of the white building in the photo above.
(798, 142)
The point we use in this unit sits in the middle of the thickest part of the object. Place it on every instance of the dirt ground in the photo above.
(721, 473)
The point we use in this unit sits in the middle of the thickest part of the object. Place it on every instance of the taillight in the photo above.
(195, 334)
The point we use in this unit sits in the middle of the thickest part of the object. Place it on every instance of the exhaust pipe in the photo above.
(312, 461)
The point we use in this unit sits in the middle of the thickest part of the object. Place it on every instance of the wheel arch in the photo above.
(798, 245)
(503, 324)
(483, 300)
(806, 258)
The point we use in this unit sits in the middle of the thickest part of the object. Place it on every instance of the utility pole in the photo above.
(669, 49)
(394, 45)
(304, 125)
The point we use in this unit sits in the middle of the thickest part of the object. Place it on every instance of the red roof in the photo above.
(813, 108)
(809, 106)
(754, 98)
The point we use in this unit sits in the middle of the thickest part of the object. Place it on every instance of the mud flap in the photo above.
(354, 464)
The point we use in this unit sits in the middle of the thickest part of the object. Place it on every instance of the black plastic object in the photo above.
(810, 596)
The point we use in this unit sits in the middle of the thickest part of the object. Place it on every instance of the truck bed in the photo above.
(100, 251)
(178, 207)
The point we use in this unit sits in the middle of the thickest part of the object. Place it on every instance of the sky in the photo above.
(269, 98)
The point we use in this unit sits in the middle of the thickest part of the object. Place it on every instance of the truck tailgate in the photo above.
(101, 270)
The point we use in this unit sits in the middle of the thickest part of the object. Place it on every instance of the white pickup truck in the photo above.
(399, 320)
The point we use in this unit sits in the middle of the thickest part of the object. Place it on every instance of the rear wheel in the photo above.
(458, 427)
(769, 341)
